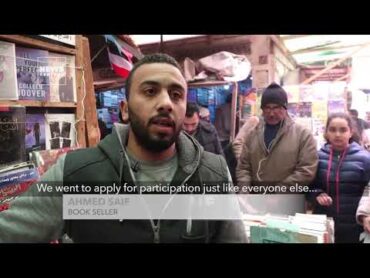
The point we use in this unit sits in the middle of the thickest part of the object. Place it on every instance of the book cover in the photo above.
(305, 93)
(293, 109)
(12, 132)
(335, 106)
(305, 109)
(60, 131)
(8, 73)
(32, 75)
(15, 179)
(35, 132)
(62, 76)
(320, 111)
(274, 235)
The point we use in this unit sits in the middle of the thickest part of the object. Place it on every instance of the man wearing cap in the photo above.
(278, 152)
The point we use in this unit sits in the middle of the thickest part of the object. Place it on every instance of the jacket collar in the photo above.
(188, 149)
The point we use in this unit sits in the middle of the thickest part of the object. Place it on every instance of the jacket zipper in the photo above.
(156, 232)
(156, 227)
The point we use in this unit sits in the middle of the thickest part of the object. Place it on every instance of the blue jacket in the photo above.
(349, 173)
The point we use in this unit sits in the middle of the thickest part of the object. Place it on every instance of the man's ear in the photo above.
(124, 111)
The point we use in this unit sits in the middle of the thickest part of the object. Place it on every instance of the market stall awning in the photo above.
(311, 49)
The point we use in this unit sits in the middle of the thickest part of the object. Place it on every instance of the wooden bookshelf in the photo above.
(38, 43)
(85, 108)
(34, 103)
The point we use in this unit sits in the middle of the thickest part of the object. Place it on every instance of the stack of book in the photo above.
(300, 228)
(14, 180)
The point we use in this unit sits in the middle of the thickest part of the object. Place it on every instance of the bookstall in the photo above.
(47, 102)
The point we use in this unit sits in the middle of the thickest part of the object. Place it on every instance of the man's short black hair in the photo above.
(191, 108)
(151, 59)
(353, 112)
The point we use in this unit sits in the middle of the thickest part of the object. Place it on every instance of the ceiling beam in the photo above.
(284, 49)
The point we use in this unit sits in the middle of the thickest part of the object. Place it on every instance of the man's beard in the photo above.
(149, 141)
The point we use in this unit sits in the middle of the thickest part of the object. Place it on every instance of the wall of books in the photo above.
(39, 106)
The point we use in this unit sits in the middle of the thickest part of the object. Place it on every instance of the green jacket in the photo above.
(36, 217)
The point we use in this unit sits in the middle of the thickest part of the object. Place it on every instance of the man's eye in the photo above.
(176, 94)
(149, 91)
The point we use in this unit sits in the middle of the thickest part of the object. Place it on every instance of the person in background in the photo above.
(277, 153)
(343, 173)
(360, 123)
(362, 127)
(66, 93)
(204, 114)
(203, 131)
(363, 213)
(223, 122)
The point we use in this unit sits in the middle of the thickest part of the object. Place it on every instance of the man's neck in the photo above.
(275, 125)
(143, 154)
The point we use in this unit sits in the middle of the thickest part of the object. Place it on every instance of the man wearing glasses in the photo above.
(278, 155)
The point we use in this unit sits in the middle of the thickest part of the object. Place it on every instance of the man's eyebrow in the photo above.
(150, 82)
(156, 83)
(177, 86)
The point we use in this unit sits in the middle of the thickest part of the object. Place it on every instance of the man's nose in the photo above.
(164, 101)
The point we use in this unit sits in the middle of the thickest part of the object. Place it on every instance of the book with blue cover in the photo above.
(32, 74)
(15, 179)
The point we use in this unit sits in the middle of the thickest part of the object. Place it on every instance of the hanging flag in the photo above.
(121, 58)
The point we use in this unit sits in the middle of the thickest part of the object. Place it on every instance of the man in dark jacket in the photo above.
(204, 132)
(150, 151)
(361, 125)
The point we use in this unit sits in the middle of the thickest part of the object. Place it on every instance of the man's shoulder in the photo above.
(207, 127)
(364, 124)
(83, 157)
(85, 153)
(213, 163)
